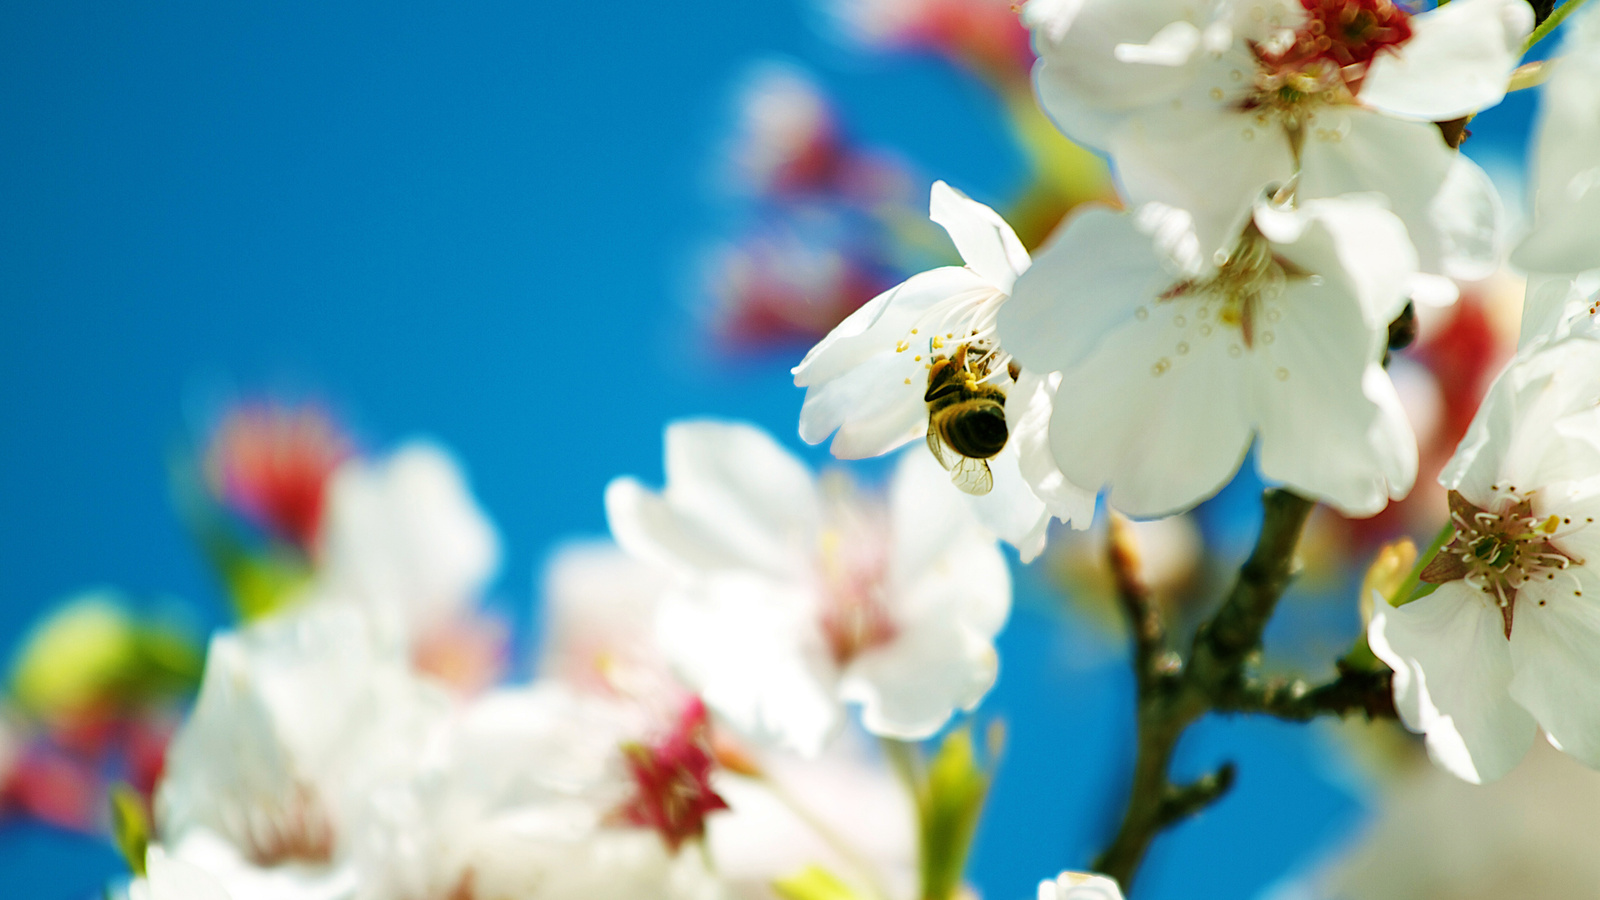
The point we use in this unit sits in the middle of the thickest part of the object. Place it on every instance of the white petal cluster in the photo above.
(1510, 640)
(795, 596)
(297, 718)
(1203, 105)
(403, 537)
(515, 800)
(1290, 193)
(1170, 368)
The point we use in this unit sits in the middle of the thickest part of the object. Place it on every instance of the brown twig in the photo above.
(1292, 699)
(1144, 617)
(1171, 697)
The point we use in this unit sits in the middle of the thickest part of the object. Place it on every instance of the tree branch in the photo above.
(1222, 644)
(1144, 616)
(1292, 699)
(1169, 701)
(1183, 801)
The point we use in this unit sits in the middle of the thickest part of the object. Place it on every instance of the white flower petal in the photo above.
(870, 410)
(883, 320)
(1208, 158)
(909, 688)
(1352, 242)
(1458, 61)
(752, 648)
(1549, 302)
(734, 498)
(1448, 205)
(949, 593)
(1010, 509)
(1522, 434)
(737, 477)
(1566, 160)
(1331, 424)
(928, 516)
(1164, 429)
(173, 879)
(405, 536)
(1172, 46)
(861, 383)
(1081, 84)
(1088, 280)
(1079, 886)
(1555, 651)
(1469, 218)
(647, 526)
(1452, 667)
(203, 850)
(987, 244)
(1029, 406)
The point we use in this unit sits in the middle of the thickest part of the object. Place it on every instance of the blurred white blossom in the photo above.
(521, 798)
(795, 597)
(172, 879)
(405, 538)
(297, 716)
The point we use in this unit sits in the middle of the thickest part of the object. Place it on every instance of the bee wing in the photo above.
(943, 454)
(972, 476)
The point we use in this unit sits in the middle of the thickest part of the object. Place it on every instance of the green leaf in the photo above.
(951, 800)
(130, 826)
(813, 883)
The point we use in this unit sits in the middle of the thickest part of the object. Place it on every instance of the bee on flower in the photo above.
(925, 359)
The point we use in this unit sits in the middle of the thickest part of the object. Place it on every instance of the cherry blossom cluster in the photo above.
(702, 721)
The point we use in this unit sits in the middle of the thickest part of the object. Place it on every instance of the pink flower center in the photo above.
(1500, 550)
(299, 830)
(271, 465)
(1333, 48)
(672, 780)
(855, 565)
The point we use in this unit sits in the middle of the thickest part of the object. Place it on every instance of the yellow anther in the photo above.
(1551, 524)
(938, 342)
(902, 347)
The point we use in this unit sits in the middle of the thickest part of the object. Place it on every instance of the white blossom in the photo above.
(404, 537)
(1511, 637)
(1170, 370)
(166, 878)
(1079, 886)
(296, 717)
(1202, 105)
(866, 382)
(599, 606)
(520, 799)
(795, 597)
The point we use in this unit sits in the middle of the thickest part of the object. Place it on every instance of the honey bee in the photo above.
(966, 422)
